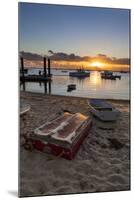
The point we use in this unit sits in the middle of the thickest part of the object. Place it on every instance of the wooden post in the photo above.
(22, 67)
(45, 69)
(45, 87)
(24, 86)
(49, 68)
(49, 85)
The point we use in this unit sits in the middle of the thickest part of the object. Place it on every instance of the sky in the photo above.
(82, 31)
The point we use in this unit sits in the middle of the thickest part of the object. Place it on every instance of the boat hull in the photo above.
(79, 75)
(103, 111)
(63, 143)
(67, 153)
(71, 87)
(108, 77)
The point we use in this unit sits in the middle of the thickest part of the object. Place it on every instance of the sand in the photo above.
(102, 164)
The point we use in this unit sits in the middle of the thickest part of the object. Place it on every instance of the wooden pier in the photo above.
(37, 78)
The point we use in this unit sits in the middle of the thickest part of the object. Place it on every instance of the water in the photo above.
(93, 86)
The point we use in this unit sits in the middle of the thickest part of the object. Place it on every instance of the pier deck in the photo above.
(35, 78)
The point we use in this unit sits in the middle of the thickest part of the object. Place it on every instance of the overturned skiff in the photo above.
(62, 135)
(103, 110)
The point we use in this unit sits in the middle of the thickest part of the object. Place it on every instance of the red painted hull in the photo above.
(68, 151)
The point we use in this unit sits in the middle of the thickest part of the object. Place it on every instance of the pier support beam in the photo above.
(45, 68)
(49, 68)
(22, 67)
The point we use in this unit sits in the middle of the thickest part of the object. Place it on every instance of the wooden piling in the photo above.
(45, 68)
(24, 86)
(45, 87)
(49, 68)
(49, 86)
(22, 67)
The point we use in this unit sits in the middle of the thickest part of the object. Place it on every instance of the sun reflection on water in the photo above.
(95, 78)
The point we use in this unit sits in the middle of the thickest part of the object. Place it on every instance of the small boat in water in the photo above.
(64, 71)
(62, 136)
(103, 110)
(117, 76)
(109, 75)
(80, 73)
(71, 87)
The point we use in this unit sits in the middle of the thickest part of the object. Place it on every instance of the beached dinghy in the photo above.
(63, 135)
(103, 110)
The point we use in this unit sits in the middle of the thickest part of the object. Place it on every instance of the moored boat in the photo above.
(64, 71)
(71, 86)
(80, 73)
(109, 75)
(117, 76)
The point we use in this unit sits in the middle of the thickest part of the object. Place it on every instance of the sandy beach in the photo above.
(102, 164)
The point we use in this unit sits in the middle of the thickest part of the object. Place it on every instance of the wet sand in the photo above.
(102, 164)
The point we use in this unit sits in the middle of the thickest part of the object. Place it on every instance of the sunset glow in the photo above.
(77, 65)
(90, 38)
(96, 64)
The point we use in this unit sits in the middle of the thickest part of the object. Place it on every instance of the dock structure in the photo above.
(37, 78)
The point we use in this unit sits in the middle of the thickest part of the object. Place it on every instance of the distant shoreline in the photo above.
(121, 71)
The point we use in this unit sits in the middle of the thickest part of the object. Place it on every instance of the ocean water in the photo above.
(92, 86)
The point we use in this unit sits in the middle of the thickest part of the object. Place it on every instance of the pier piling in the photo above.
(45, 69)
(22, 67)
(49, 68)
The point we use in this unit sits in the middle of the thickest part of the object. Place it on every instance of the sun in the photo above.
(96, 64)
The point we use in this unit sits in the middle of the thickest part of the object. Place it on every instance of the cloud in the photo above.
(112, 60)
(122, 61)
(102, 55)
(61, 56)
(64, 56)
(31, 56)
